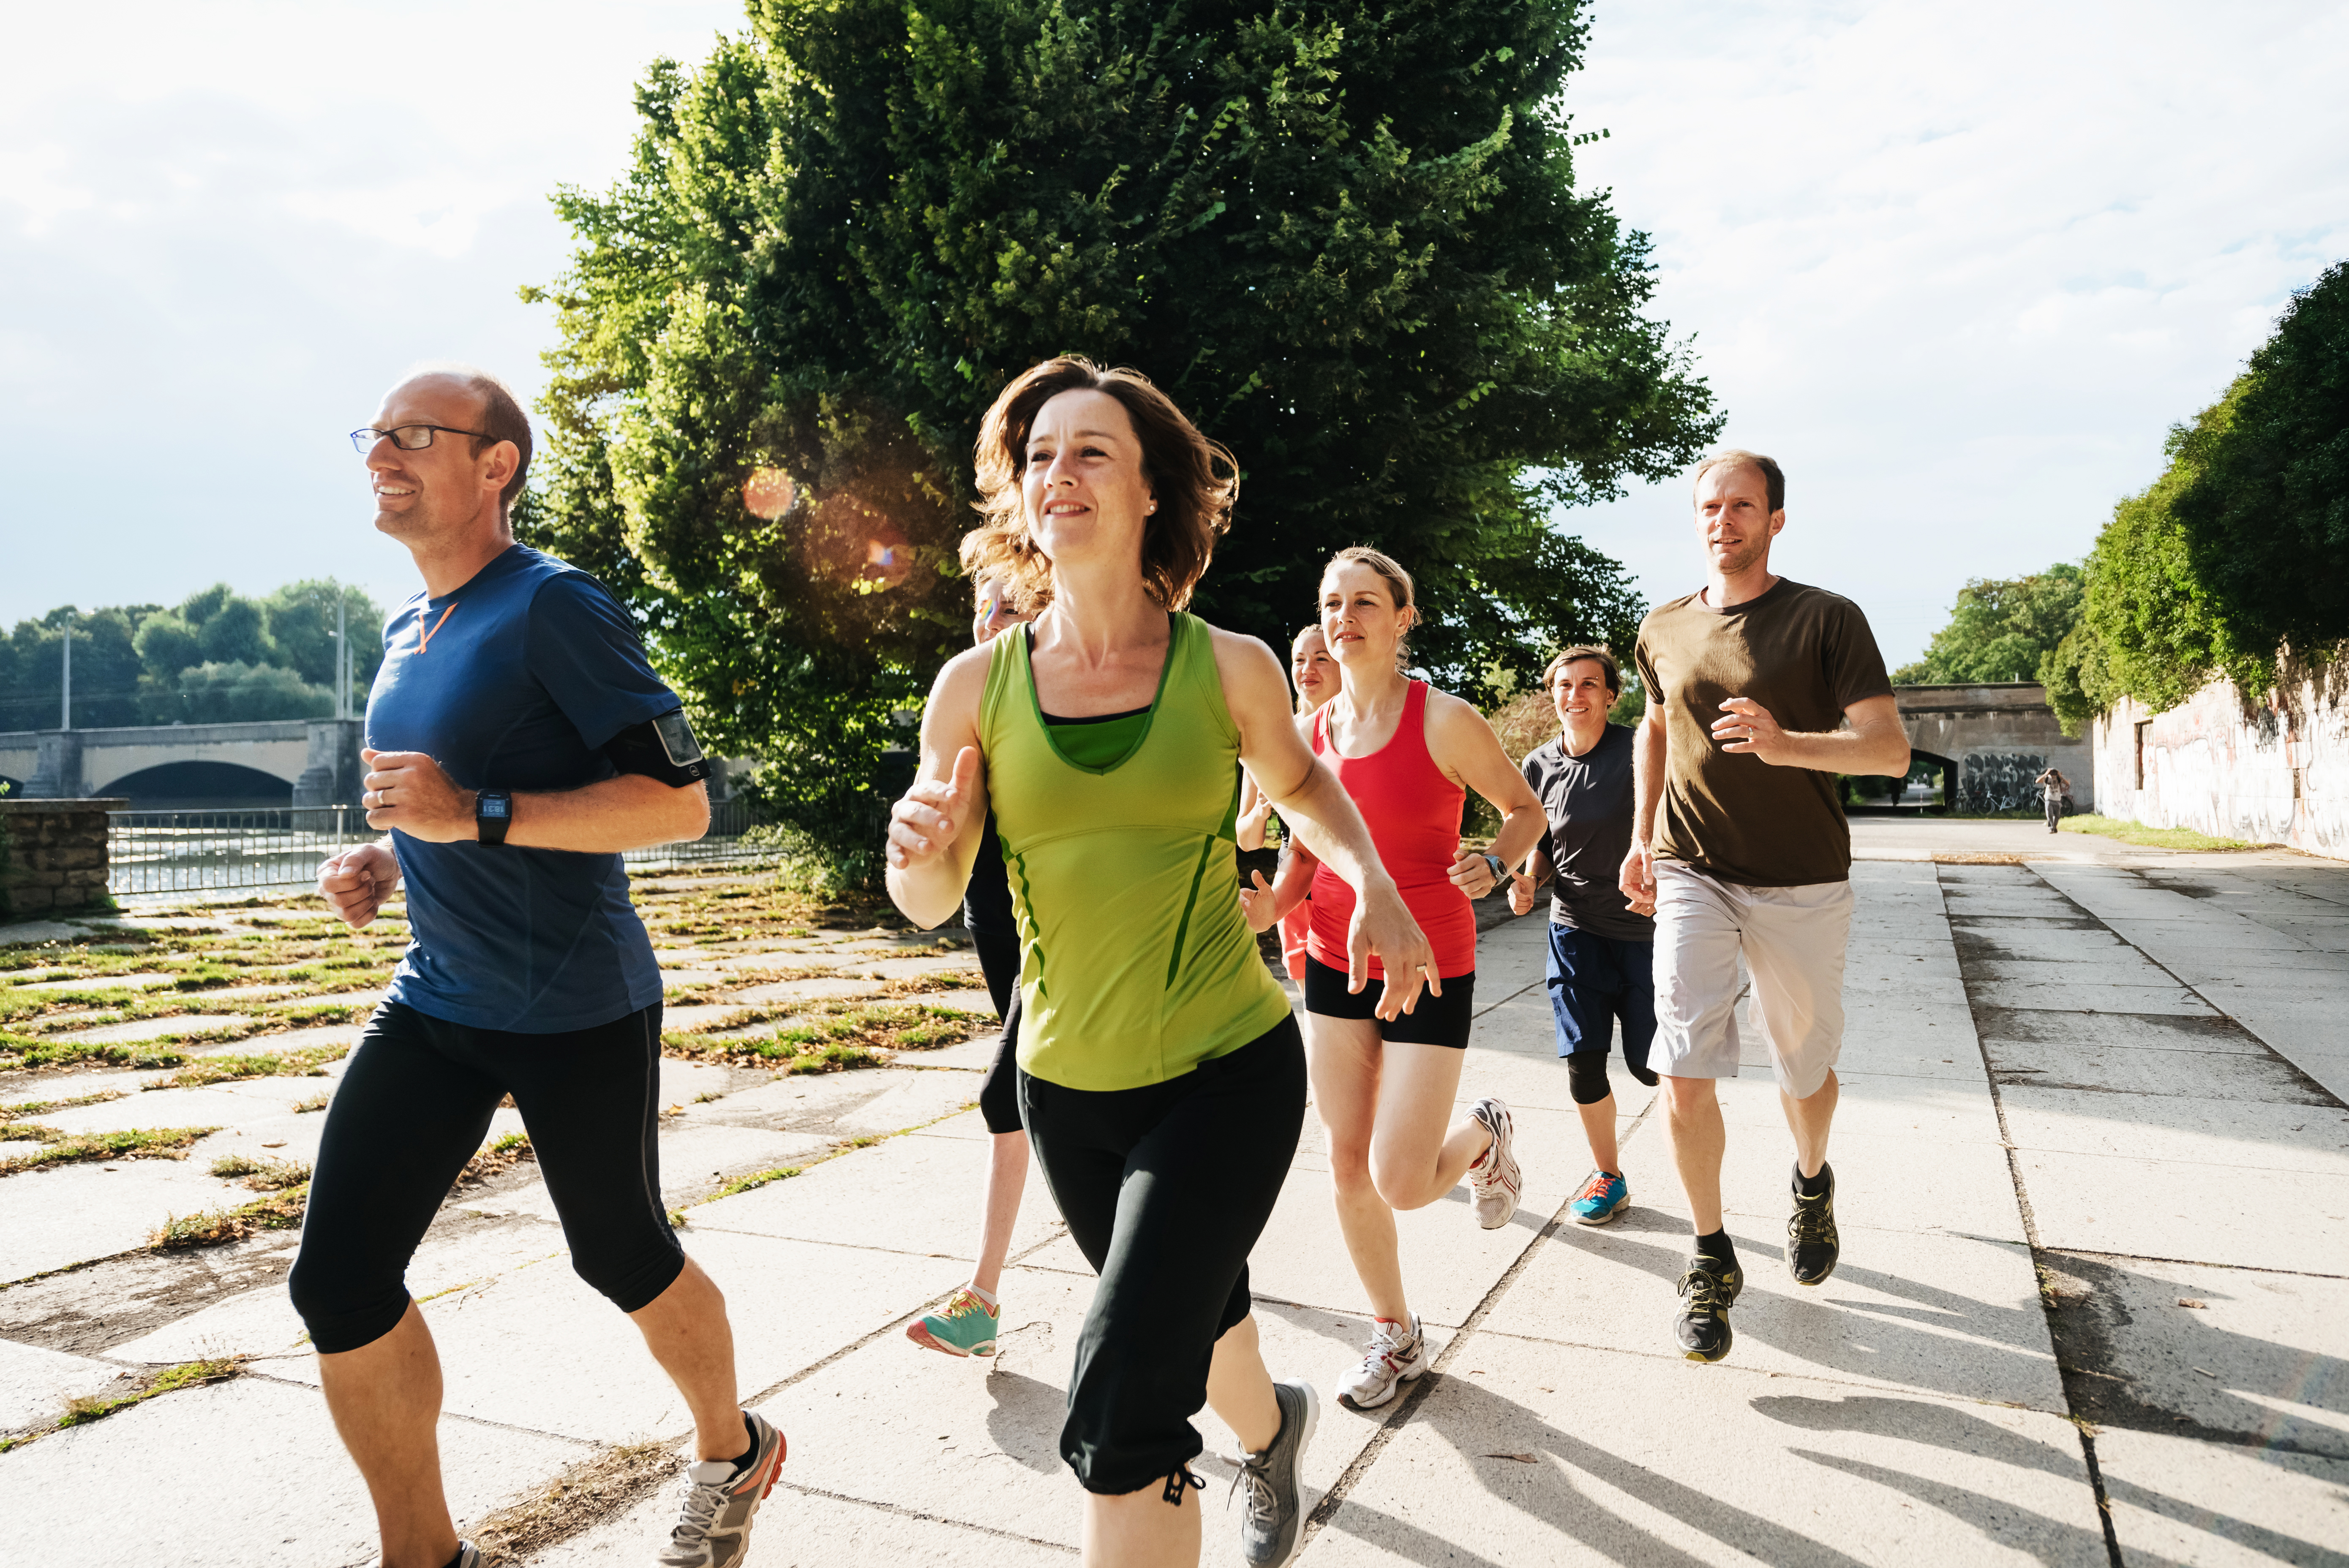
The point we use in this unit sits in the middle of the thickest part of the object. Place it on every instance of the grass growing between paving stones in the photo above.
(2153, 838)
(277, 1211)
(753, 1182)
(63, 1148)
(830, 1038)
(20, 1052)
(187, 1375)
(310, 1061)
(500, 1155)
(583, 1495)
(263, 1175)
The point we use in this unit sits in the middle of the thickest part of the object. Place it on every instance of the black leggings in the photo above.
(1165, 1188)
(411, 1110)
(998, 960)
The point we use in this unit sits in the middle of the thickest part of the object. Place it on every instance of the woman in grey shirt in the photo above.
(1600, 946)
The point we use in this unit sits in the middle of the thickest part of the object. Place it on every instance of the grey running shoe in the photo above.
(1494, 1181)
(1276, 1508)
(1397, 1355)
(717, 1500)
(1812, 1242)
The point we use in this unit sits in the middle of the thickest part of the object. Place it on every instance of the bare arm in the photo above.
(1872, 742)
(1639, 879)
(1316, 807)
(1255, 807)
(934, 832)
(407, 790)
(1465, 747)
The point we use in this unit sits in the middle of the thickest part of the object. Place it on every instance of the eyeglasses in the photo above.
(407, 437)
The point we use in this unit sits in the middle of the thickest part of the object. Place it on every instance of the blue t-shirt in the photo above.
(516, 681)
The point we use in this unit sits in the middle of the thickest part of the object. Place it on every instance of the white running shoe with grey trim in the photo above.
(1494, 1181)
(1397, 1354)
(717, 1502)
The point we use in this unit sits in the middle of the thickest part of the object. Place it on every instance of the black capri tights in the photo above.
(1165, 1188)
(412, 1110)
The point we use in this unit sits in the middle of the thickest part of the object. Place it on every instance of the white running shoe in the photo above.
(1494, 1181)
(1396, 1356)
(717, 1502)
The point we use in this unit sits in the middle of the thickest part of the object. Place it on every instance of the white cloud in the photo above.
(1960, 268)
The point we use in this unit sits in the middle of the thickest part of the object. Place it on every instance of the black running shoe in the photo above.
(1811, 1242)
(1709, 1289)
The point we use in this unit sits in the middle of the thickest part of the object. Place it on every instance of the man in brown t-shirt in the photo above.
(1760, 691)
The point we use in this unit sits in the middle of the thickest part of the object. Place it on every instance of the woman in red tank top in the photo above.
(1408, 754)
(1314, 673)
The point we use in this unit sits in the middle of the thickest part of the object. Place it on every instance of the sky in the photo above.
(1957, 268)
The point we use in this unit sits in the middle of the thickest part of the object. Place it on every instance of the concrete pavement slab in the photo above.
(2196, 1129)
(73, 1213)
(2231, 1356)
(2178, 1500)
(2151, 1070)
(912, 1099)
(925, 1188)
(1950, 1316)
(157, 1107)
(535, 1348)
(2023, 1029)
(2172, 999)
(36, 1385)
(2158, 1208)
(138, 1029)
(1635, 1460)
(803, 1529)
(240, 1472)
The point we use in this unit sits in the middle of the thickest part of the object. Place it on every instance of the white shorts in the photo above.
(1793, 939)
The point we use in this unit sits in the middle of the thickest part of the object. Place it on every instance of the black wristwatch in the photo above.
(492, 814)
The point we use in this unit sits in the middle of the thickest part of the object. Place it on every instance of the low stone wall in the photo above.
(53, 856)
(2275, 773)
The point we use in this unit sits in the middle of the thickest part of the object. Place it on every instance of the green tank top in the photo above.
(1136, 964)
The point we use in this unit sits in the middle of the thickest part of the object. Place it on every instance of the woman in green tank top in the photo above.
(1163, 1078)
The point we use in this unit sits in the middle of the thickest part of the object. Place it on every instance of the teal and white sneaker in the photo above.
(1602, 1197)
(967, 1327)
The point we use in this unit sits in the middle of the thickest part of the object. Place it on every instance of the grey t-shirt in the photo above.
(1588, 802)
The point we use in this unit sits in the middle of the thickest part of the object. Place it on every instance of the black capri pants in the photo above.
(1165, 1188)
(413, 1108)
(998, 960)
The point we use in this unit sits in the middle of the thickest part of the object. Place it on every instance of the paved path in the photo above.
(2079, 1095)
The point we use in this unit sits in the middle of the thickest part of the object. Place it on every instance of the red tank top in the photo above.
(1413, 812)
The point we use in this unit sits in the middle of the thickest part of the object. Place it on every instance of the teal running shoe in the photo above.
(967, 1327)
(1601, 1199)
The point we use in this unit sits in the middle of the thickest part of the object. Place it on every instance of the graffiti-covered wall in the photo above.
(2000, 782)
(2276, 772)
(2000, 736)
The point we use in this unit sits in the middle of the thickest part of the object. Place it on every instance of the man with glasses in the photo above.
(517, 742)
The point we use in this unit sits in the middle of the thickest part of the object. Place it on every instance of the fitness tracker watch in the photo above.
(1500, 871)
(492, 814)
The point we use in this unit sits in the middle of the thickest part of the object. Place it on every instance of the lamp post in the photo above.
(64, 694)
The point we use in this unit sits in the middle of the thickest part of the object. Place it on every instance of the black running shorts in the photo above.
(1432, 1021)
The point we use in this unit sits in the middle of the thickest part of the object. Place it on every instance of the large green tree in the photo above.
(2265, 517)
(1999, 629)
(1346, 237)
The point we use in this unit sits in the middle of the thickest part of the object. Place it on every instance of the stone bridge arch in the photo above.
(1996, 738)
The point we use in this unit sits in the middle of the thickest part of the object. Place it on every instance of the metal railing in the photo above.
(164, 855)
(161, 855)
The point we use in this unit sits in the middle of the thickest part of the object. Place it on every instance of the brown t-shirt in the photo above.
(1805, 655)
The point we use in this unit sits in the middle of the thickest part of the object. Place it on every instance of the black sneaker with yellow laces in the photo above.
(1812, 1244)
(1708, 1290)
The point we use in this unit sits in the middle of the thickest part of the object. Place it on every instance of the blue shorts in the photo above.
(1595, 981)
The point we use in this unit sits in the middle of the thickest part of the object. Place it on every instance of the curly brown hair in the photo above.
(1194, 479)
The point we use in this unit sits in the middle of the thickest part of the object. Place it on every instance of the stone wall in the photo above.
(2275, 773)
(53, 856)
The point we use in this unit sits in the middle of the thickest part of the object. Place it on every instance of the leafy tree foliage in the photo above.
(1999, 629)
(2266, 517)
(2148, 627)
(1345, 237)
(216, 657)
